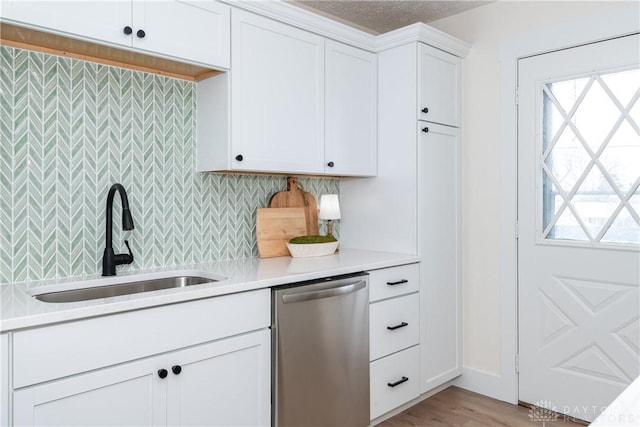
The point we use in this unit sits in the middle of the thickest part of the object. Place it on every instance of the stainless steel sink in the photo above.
(95, 292)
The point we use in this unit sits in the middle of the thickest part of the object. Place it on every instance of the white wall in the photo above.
(485, 27)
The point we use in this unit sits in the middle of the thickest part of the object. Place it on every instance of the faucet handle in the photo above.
(128, 258)
(124, 258)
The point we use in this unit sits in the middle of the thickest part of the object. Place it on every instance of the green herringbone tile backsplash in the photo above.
(70, 129)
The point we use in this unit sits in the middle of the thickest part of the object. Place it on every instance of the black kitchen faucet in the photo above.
(109, 259)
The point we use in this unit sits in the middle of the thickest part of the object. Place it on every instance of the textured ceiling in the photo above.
(375, 16)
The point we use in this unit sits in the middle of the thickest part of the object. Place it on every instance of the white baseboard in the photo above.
(488, 384)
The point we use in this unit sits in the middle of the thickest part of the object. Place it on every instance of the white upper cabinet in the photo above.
(277, 97)
(438, 86)
(293, 102)
(99, 20)
(351, 110)
(195, 31)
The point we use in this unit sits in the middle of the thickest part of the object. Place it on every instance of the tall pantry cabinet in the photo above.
(413, 205)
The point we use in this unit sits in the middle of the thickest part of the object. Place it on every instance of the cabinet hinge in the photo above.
(517, 363)
(517, 231)
(517, 96)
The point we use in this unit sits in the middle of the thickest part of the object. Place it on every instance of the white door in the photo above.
(579, 226)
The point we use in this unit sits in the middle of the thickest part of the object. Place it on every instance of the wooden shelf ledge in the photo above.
(27, 38)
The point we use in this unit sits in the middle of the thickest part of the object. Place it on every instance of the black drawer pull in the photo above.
(401, 325)
(399, 282)
(400, 381)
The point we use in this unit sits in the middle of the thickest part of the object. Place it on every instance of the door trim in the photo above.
(619, 22)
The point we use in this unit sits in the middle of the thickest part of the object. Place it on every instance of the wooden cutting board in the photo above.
(296, 197)
(275, 227)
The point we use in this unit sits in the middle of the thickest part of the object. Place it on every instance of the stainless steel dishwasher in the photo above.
(320, 333)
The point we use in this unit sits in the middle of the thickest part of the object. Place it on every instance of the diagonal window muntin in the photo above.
(597, 197)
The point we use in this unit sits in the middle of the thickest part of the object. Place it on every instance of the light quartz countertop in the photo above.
(20, 310)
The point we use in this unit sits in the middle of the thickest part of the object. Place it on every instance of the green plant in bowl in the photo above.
(304, 240)
(312, 246)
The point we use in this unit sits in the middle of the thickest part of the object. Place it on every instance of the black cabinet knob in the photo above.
(425, 129)
(127, 30)
(239, 157)
(425, 110)
(162, 373)
(141, 34)
(176, 369)
(330, 164)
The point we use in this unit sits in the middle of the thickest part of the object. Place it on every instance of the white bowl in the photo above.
(306, 250)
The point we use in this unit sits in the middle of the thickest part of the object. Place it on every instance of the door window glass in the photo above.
(590, 160)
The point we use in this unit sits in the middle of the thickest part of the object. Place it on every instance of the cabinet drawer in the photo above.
(393, 325)
(391, 370)
(394, 281)
(57, 351)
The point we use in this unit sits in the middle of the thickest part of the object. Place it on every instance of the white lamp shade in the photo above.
(329, 207)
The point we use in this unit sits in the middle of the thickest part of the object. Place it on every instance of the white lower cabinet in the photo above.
(223, 383)
(394, 335)
(4, 380)
(128, 394)
(394, 380)
(205, 362)
(393, 325)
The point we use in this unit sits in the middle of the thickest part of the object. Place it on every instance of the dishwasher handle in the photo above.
(324, 293)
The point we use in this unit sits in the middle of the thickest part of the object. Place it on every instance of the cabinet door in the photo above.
(277, 96)
(196, 31)
(4, 380)
(223, 383)
(123, 395)
(438, 86)
(439, 248)
(351, 110)
(97, 20)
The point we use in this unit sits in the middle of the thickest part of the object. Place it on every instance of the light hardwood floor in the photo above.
(455, 407)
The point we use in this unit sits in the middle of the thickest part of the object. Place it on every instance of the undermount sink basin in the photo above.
(126, 288)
